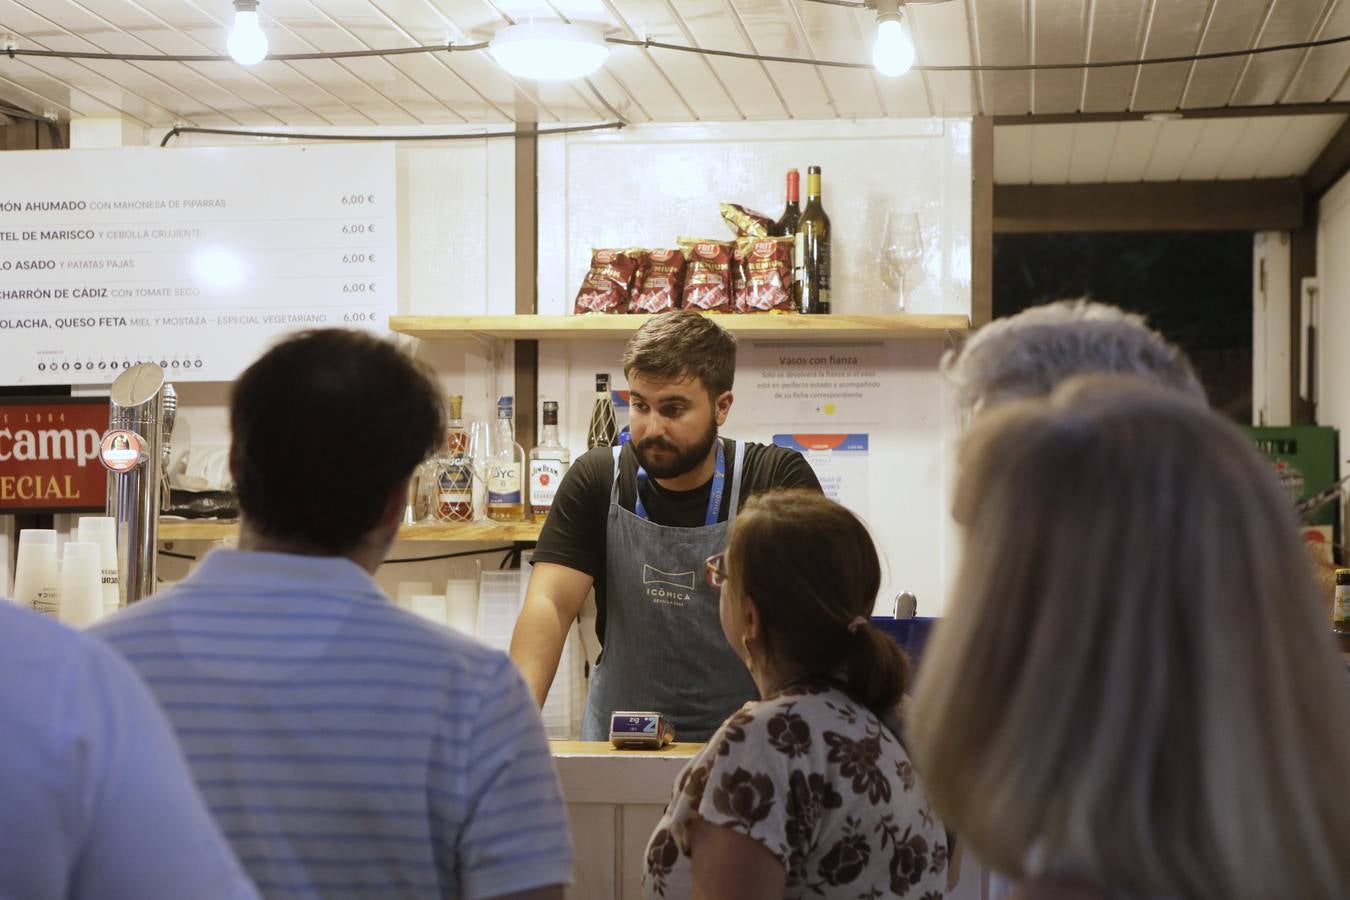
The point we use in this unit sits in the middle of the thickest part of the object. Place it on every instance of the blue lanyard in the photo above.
(714, 496)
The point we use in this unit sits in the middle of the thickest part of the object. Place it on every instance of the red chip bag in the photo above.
(608, 282)
(765, 267)
(708, 279)
(745, 221)
(660, 281)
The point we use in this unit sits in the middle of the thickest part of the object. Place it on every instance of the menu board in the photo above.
(196, 259)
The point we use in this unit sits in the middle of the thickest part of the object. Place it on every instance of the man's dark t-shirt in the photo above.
(574, 534)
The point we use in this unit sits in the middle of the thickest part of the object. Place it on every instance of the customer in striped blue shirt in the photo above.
(346, 748)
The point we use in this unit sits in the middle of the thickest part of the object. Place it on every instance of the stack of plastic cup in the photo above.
(81, 590)
(5, 583)
(36, 578)
(102, 530)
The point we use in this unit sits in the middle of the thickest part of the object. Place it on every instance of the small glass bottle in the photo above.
(506, 466)
(454, 474)
(548, 464)
(604, 428)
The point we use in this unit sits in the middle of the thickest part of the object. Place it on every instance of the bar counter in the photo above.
(614, 799)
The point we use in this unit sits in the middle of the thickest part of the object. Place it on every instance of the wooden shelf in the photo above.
(486, 532)
(890, 326)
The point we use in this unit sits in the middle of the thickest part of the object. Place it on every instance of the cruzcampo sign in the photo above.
(49, 454)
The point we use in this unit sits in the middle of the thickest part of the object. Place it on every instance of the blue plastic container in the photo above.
(911, 634)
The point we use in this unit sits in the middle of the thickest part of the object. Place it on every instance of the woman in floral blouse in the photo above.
(809, 791)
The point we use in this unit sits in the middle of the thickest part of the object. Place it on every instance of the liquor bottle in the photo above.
(786, 226)
(548, 463)
(604, 429)
(505, 468)
(811, 287)
(454, 473)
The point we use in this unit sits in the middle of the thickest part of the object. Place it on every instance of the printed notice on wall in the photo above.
(821, 386)
(840, 463)
(196, 259)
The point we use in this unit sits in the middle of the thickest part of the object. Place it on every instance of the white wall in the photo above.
(646, 186)
(1333, 271)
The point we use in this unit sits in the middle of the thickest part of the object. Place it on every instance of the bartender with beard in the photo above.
(637, 523)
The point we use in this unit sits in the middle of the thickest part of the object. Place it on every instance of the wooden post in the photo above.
(981, 221)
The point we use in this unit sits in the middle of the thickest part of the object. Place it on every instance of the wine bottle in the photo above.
(604, 428)
(786, 226)
(811, 287)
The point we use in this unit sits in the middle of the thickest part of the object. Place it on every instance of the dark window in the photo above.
(1194, 287)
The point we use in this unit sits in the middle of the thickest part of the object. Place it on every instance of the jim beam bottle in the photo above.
(454, 473)
(811, 287)
(548, 464)
(506, 468)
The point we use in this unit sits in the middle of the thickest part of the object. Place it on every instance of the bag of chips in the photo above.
(660, 281)
(745, 221)
(608, 283)
(708, 278)
(765, 266)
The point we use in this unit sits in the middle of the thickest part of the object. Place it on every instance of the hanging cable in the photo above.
(242, 132)
(14, 52)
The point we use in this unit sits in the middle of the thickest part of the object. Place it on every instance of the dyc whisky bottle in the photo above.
(505, 468)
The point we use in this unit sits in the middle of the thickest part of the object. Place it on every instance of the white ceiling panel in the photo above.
(1174, 29)
(1132, 151)
(1095, 152)
(1216, 143)
(1116, 32)
(1012, 154)
(1265, 79)
(1052, 149)
(642, 84)
(1058, 34)
(1092, 145)
(1173, 149)
(1300, 144)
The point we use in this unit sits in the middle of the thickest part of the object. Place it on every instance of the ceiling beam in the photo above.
(1330, 164)
(1268, 204)
(1335, 108)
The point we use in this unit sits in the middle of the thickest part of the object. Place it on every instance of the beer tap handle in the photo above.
(170, 408)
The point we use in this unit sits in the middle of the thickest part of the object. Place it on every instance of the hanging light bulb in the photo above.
(549, 51)
(893, 52)
(247, 42)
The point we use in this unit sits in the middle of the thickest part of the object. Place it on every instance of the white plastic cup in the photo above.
(6, 585)
(428, 606)
(461, 595)
(102, 530)
(408, 589)
(36, 578)
(81, 587)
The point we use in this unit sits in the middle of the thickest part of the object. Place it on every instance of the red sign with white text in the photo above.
(49, 454)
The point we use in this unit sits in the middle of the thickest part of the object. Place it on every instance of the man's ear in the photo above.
(395, 505)
(722, 406)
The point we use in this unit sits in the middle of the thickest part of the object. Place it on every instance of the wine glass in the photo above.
(901, 251)
(479, 452)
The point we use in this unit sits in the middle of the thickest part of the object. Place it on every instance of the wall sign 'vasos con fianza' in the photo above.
(49, 454)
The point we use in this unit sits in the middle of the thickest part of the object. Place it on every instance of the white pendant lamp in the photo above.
(247, 43)
(549, 51)
(893, 52)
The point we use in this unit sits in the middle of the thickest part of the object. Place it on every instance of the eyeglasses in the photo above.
(712, 566)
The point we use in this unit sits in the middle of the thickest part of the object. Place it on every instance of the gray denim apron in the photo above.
(664, 648)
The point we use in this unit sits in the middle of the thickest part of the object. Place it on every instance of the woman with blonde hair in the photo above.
(807, 792)
(1135, 693)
